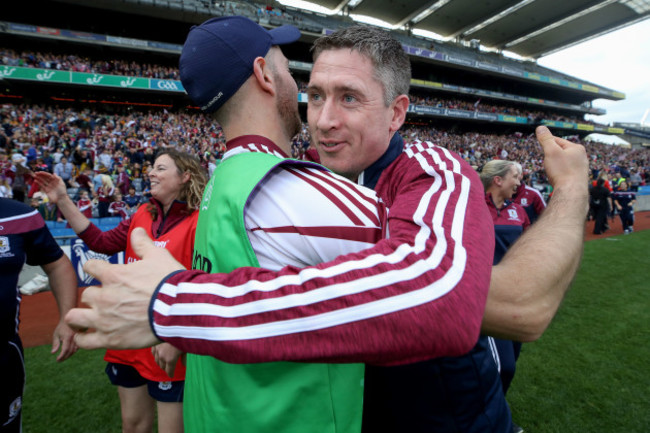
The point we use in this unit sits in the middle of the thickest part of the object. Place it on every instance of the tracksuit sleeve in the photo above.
(108, 242)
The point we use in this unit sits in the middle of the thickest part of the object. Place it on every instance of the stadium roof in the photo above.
(529, 28)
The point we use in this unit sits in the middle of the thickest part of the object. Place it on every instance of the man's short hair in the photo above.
(391, 63)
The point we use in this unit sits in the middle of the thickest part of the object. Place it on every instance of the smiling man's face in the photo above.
(349, 122)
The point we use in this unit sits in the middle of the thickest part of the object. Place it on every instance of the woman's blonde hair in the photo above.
(107, 181)
(494, 168)
(192, 190)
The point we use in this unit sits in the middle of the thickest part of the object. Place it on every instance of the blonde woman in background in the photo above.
(5, 187)
(105, 195)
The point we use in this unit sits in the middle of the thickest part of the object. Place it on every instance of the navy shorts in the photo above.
(12, 385)
(128, 377)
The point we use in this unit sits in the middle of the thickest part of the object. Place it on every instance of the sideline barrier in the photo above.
(642, 203)
(79, 254)
(64, 234)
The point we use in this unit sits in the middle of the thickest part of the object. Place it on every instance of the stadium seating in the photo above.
(64, 235)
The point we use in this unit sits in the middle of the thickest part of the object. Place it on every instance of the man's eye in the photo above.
(349, 98)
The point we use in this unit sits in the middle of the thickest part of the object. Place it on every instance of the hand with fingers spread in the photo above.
(52, 185)
(118, 311)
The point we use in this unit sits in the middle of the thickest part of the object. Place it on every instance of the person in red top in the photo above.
(123, 180)
(177, 183)
(85, 205)
(84, 180)
(118, 207)
(606, 182)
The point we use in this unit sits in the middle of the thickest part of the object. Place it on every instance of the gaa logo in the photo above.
(167, 85)
(165, 386)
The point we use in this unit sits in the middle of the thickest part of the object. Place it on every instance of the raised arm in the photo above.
(106, 242)
(54, 187)
(528, 285)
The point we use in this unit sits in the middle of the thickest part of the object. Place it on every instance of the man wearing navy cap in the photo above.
(233, 68)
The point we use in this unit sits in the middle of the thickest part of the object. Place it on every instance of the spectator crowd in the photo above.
(72, 62)
(484, 106)
(107, 156)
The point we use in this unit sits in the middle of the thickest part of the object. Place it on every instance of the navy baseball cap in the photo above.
(218, 56)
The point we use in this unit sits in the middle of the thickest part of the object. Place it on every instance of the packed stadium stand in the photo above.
(103, 79)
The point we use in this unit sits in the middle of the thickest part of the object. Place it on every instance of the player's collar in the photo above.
(370, 176)
(253, 143)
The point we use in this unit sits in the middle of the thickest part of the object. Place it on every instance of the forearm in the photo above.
(337, 330)
(63, 282)
(529, 284)
(108, 242)
(73, 215)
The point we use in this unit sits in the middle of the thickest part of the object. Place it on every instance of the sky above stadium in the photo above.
(620, 61)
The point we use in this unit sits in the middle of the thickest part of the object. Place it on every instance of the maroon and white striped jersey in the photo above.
(119, 208)
(416, 294)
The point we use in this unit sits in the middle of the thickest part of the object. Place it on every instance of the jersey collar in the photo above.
(253, 143)
(370, 176)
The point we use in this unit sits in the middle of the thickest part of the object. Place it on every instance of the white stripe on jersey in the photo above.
(251, 147)
(322, 207)
(350, 314)
(495, 353)
(18, 217)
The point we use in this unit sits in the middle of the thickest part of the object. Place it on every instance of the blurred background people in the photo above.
(600, 202)
(624, 200)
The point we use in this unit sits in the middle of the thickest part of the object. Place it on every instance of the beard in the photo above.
(287, 106)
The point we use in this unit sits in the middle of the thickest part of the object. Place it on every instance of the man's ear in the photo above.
(399, 106)
(263, 75)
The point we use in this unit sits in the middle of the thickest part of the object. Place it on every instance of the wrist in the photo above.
(570, 200)
(576, 190)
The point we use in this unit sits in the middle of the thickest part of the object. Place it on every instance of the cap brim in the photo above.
(284, 35)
